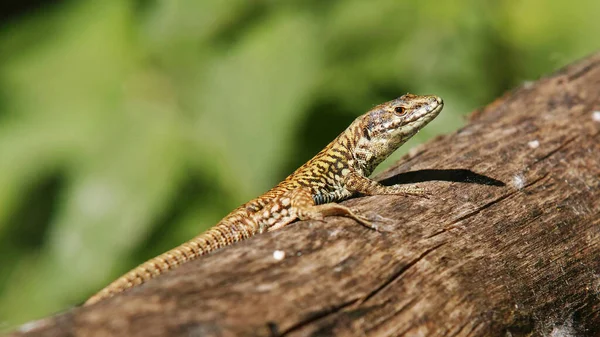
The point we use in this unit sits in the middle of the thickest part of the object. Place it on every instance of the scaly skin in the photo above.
(336, 173)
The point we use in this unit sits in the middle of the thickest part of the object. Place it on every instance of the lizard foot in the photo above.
(373, 221)
(408, 191)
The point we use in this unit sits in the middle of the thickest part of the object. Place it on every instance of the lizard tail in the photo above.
(219, 236)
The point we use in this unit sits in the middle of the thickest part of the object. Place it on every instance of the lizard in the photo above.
(336, 173)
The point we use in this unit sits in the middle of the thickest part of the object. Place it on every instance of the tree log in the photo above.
(508, 244)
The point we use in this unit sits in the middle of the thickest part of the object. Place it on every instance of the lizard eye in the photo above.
(400, 109)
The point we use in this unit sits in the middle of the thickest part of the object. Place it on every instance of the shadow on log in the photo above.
(509, 245)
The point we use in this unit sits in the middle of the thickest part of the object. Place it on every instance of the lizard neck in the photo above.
(351, 151)
(367, 153)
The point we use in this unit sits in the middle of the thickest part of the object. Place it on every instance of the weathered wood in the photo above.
(508, 246)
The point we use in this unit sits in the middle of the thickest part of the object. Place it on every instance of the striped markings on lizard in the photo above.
(336, 173)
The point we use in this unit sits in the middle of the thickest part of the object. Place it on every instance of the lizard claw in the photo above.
(373, 221)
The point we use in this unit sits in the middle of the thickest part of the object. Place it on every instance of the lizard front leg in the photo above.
(357, 183)
(299, 204)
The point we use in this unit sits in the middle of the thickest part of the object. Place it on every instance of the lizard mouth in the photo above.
(439, 104)
(429, 111)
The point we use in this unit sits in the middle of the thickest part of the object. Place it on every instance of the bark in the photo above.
(508, 245)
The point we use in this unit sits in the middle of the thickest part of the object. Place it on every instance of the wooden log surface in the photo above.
(508, 245)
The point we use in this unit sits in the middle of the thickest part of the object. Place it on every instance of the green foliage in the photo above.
(127, 128)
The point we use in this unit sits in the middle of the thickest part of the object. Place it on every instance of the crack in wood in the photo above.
(557, 149)
(313, 317)
(399, 273)
(452, 225)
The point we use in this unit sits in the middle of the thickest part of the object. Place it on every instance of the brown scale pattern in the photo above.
(337, 172)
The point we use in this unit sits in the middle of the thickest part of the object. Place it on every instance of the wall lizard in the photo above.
(336, 173)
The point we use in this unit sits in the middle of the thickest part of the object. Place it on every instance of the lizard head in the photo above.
(389, 125)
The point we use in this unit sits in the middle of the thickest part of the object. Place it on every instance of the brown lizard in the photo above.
(336, 173)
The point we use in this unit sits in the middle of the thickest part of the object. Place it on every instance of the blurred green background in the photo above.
(127, 127)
